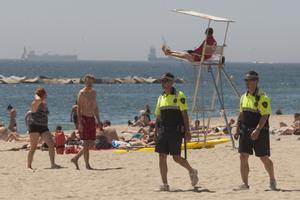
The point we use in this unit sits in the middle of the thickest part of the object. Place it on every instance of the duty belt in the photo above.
(172, 128)
(249, 129)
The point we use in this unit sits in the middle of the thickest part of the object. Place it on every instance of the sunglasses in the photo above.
(249, 80)
(165, 80)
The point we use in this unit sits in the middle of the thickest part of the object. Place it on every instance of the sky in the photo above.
(265, 30)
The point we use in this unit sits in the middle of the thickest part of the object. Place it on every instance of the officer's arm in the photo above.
(265, 110)
(262, 122)
(185, 117)
(157, 113)
(156, 125)
(239, 120)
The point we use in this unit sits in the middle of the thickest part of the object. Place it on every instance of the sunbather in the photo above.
(284, 129)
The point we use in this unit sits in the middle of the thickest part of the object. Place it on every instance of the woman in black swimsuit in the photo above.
(38, 127)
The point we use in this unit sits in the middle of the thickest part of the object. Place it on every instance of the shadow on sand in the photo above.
(196, 190)
(55, 168)
(282, 190)
(108, 169)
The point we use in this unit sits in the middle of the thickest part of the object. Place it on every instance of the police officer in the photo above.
(173, 124)
(253, 129)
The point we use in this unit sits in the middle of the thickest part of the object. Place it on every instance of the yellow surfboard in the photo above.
(190, 145)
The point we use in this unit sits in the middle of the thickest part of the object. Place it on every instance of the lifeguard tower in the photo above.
(215, 63)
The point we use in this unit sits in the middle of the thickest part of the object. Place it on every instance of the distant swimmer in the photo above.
(194, 55)
(88, 119)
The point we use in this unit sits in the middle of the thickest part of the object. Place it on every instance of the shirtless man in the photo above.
(109, 132)
(88, 119)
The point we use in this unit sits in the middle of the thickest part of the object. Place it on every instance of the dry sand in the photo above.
(136, 175)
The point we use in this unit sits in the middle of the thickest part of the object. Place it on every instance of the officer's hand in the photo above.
(188, 136)
(237, 134)
(255, 134)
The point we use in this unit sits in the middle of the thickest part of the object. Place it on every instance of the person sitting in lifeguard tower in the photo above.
(195, 55)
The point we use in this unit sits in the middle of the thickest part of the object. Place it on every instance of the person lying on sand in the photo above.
(8, 136)
(143, 119)
(148, 130)
(145, 135)
(23, 147)
(289, 130)
(138, 133)
(196, 126)
(134, 143)
(224, 127)
(143, 138)
(3, 132)
(146, 141)
(296, 123)
(194, 55)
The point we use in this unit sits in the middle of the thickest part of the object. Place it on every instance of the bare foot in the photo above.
(55, 166)
(30, 167)
(88, 167)
(164, 49)
(168, 52)
(75, 161)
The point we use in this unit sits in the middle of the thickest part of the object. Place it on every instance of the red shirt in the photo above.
(210, 42)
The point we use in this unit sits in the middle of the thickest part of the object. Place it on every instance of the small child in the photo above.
(59, 140)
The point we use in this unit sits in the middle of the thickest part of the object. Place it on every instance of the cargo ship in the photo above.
(32, 56)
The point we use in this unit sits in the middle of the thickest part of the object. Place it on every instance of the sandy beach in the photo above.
(136, 175)
(91, 89)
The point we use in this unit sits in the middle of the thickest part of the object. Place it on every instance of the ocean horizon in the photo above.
(121, 102)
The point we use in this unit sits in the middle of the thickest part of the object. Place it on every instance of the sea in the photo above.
(121, 102)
